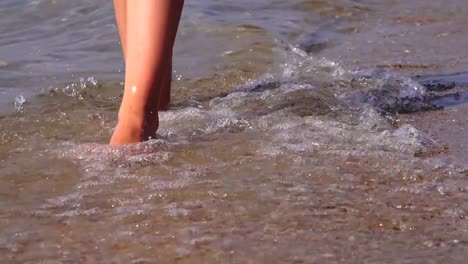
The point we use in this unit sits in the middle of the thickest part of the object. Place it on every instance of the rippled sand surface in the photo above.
(300, 132)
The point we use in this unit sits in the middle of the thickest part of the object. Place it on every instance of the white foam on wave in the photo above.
(296, 108)
(294, 117)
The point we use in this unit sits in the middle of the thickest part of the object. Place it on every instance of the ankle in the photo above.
(151, 125)
(129, 130)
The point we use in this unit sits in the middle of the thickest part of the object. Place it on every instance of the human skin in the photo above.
(147, 31)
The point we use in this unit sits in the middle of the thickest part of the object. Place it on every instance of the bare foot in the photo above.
(126, 133)
(131, 130)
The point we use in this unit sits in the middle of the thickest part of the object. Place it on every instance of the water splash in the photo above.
(77, 90)
(20, 100)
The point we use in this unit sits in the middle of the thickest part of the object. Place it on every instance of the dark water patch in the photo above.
(446, 90)
(392, 94)
(387, 92)
(387, 102)
(327, 35)
(438, 83)
(322, 38)
(451, 99)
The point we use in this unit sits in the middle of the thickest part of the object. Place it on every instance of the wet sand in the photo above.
(448, 125)
(301, 132)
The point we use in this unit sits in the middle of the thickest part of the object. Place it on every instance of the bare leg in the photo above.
(166, 89)
(147, 42)
(120, 7)
(164, 94)
(161, 99)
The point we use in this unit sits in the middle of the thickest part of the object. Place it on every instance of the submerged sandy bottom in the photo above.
(334, 135)
(276, 171)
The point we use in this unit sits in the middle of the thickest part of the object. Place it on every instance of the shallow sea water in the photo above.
(300, 132)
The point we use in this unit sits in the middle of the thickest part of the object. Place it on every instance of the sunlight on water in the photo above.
(298, 133)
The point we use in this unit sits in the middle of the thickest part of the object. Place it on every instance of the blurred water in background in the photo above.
(300, 132)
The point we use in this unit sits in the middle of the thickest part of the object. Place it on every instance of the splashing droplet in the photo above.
(19, 103)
